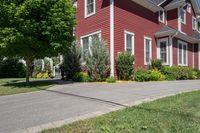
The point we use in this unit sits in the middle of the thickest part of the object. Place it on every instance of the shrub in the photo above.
(156, 75)
(71, 61)
(42, 75)
(156, 64)
(142, 75)
(125, 66)
(198, 73)
(81, 77)
(97, 61)
(179, 73)
(12, 68)
(111, 80)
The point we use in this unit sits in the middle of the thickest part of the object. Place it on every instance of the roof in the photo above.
(157, 2)
(196, 35)
(166, 31)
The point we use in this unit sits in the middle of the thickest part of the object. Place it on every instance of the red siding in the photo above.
(99, 21)
(172, 18)
(187, 28)
(196, 65)
(129, 16)
(132, 17)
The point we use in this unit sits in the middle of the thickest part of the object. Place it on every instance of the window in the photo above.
(198, 26)
(182, 53)
(183, 16)
(147, 50)
(162, 16)
(163, 50)
(189, 8)
(89, 7)
(86, 42)
(194, 23)
(129, 42)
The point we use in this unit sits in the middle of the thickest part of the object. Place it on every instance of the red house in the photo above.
(150, 29)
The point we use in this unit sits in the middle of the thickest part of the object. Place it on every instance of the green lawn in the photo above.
(177, 114)
(14, 86)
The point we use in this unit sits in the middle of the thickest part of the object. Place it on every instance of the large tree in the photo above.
(33, 29)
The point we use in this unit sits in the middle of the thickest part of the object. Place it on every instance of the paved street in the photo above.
(22, 111)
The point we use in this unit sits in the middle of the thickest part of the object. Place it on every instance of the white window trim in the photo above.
(194, 28)
(180, 22)
(90, 39)
(199, 54)
(183, 22)
(162, 21)
(158, 49)
(133, 40)
(186, 44)
(147, 38)
(189, 9)
(85, 8)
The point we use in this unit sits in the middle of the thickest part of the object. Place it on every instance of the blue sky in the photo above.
(198, 2)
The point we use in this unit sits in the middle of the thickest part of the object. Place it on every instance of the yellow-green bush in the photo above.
(142, 75)
(42, 75)
(111, 80)
(81, 77)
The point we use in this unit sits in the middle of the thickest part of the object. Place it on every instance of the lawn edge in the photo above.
(57, 124)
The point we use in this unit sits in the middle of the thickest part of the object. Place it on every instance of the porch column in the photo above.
(170, 51)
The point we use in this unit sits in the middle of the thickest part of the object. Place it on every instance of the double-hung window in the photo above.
(162, 16)
(183, 16)
(182, 53)
(89, 7)
(86, 42)
(163, 50)
(147, 50)
(194, 23)
(129, 42)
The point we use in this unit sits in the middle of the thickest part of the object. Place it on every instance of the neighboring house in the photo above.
(150, 29)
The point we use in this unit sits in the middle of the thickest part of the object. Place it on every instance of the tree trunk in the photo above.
(28, 67)
(27, 75)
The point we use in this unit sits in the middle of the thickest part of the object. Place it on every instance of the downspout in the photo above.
(112, 60)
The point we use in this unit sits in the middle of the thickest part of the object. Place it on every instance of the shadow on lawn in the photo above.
(35, 83)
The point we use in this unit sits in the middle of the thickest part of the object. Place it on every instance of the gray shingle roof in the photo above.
(157, 2)
(165, 28)
(196, 35)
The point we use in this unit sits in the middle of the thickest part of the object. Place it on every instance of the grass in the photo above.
(177, 114)
(15, 86)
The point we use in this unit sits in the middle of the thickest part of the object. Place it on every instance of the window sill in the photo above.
(90, 15)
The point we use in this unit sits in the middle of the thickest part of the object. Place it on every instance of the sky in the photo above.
(198, 2)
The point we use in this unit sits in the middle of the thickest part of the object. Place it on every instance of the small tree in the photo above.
(34, 29)
(71, 63)
(97, 61)
(125, 65)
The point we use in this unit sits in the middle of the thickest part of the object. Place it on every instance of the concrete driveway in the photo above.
(61, 104)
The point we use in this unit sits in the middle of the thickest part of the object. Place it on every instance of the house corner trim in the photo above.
(112, 60)
(199, 55)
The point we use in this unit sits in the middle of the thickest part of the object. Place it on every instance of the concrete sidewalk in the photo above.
(62, 104)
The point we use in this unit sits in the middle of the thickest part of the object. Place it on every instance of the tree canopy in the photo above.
(33, 29)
